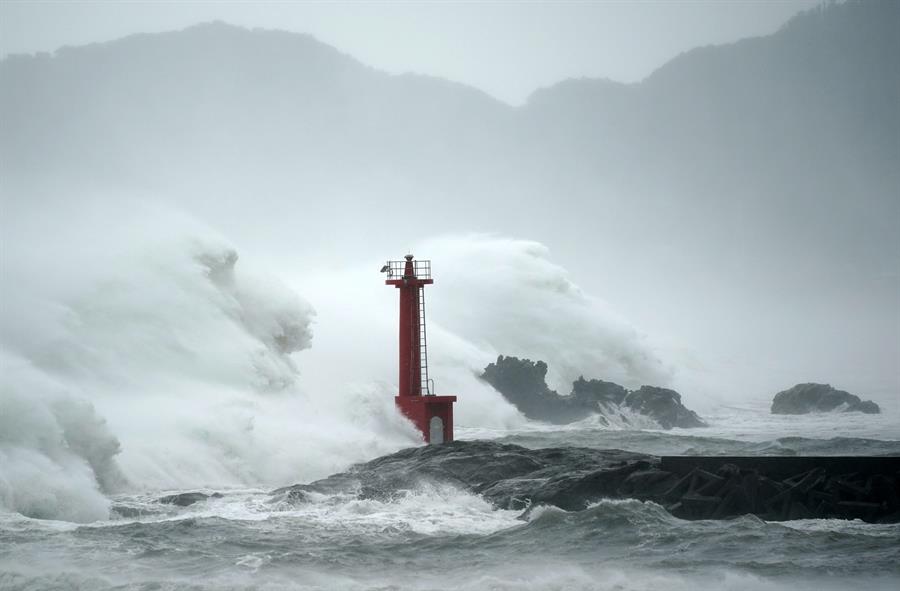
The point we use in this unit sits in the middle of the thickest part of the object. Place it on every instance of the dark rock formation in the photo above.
(523, 383)
(664, 406)
(590, 393)
(509, 476)
(187, 498)
(702, 487)
(807, 398)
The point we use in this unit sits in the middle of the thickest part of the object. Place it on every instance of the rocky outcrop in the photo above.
(702, 487)
(509, 476)
(523, 383)
(186, 499)
(592, 393)
(663, 406)
(809, 398)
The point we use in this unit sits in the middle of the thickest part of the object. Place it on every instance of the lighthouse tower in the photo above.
(432, 415)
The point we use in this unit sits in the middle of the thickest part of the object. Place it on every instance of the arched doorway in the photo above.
(436, 430)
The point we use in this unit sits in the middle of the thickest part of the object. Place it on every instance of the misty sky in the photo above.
(507, 49)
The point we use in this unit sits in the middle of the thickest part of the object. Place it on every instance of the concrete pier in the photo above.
(780, 488)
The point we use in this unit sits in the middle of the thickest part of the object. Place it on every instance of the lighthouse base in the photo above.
(432, 415)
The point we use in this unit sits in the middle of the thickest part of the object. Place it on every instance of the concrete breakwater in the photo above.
(781, 488)
(690, 487)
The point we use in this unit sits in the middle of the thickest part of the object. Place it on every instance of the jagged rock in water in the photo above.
(807, 398)
(690, 487)
(523, 383)
(664, 406)
(593, 392)
(187, 498)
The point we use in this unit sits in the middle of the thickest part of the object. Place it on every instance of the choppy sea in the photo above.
(437, 537)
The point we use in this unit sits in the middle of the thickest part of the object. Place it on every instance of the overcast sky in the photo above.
(507, 49)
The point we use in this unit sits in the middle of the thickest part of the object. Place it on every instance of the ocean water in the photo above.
(438, 537)
(747, 429)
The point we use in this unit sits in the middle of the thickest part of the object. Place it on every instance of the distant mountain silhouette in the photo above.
(798, 128)
(794, 129)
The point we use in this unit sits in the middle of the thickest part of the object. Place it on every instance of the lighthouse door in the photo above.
(436, 430)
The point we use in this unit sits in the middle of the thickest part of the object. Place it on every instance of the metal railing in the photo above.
(395, 269)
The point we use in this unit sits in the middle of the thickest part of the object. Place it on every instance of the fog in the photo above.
(193, 221)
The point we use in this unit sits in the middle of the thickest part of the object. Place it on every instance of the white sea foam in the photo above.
(752, 421)
(428, 510)
(159, 361)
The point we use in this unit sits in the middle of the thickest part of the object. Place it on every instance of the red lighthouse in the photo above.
(432, 415)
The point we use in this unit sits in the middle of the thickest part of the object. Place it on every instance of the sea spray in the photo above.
(171, 353)
(492, 295)
(510, 295)
(57, 456)
(204, 372)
